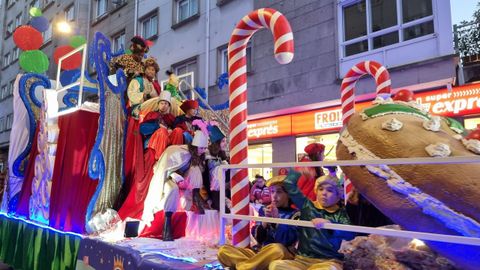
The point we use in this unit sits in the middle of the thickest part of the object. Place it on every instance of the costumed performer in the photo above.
(317, 247)
(215, 157)
(167, 174)
(185, 121)
(131, 63)
(159, 123)
(275, 241)
(140, 89)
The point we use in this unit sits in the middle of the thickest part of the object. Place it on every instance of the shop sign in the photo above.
(328, 119)
(270, 127)
(461, 100)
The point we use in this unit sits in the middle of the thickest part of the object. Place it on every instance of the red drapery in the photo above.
(24, 199)
(72, 188)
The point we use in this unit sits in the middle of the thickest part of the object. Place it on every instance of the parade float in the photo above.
(66, 170)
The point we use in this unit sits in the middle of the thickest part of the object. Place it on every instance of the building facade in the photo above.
(296, 104)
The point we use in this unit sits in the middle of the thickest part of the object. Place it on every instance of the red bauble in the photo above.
(403, 95)
(72, 62)
(474, 135)
(27, 38)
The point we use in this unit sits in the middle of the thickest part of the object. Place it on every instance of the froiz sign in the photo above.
(462, 100)
(328, 119)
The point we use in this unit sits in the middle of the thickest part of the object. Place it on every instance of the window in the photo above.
(101, 7)
(47, 35)
(373, 24)
(70, 13)
(183, 10)
(118, 41)
(150, 26)
(184, 67)
(186, 9)
(118, 3)
(10, 88)
(223, 2)
(260, 153)
(4, 92)
(46, 2)
(9, 122)
(6, 60)
(10, 3)
(35, 3)
(16, 53)
(9, 29)
(18, 20)
(2, 124)
(223, 56)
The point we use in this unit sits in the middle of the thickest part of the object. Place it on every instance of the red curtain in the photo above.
(72, 188)
(24, 199)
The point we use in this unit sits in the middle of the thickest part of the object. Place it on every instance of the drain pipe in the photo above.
(135, 23)
(207, 47)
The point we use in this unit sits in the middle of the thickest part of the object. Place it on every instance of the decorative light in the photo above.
(64, 27)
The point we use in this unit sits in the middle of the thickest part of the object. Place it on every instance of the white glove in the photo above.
(176, 177)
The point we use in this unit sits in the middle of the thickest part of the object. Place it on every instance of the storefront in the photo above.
(293, 132)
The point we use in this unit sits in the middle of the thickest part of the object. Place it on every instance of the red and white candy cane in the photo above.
(382, 79)
(237, 69)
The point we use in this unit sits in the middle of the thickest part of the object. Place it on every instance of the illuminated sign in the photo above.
(328, 119)
(270, 127)
(463, 100)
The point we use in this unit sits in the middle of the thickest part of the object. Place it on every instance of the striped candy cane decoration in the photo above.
(237, 69)
(382, 79)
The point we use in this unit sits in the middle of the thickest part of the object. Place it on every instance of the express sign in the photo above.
(461, 100)
(270, 127)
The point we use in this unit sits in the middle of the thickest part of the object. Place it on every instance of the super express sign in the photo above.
(461, 100)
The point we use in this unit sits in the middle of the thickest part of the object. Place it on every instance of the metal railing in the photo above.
(351, 228)
(79, 83)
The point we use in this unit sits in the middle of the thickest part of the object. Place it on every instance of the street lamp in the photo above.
(64, 27)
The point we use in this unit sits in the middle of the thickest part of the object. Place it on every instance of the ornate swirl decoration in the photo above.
(101, 52)
(40, 81)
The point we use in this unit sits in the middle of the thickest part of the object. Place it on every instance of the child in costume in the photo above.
(184, 123)
(215, 157)
(276, 241)
(317, 247)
